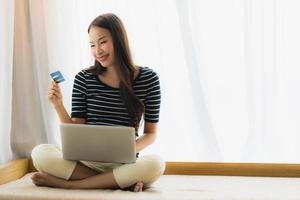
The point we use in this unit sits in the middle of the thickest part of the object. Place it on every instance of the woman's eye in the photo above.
(103, 42)
(92, 46)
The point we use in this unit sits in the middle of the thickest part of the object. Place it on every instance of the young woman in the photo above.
(113, 91)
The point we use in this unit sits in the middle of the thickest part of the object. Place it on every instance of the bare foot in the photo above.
(138, 186)
(44, 179)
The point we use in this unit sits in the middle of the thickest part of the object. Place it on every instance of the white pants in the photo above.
(48, 158)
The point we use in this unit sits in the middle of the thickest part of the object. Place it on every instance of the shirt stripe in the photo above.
(101, 104)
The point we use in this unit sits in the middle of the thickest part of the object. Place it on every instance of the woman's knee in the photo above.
(147, 169)
(154, 166)
(48, 158)
(42, 156)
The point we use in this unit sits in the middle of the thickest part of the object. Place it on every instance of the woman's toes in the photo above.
(138, 186)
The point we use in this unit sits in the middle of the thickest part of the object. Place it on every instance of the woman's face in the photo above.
(102, 46)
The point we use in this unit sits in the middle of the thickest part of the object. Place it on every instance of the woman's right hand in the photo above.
(54, 94)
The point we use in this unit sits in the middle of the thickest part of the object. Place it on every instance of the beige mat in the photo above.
(168, 187)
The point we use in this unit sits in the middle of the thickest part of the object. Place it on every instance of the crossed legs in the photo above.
(75, 175)
(81, 178)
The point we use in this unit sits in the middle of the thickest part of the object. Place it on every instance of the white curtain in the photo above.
(6, 66)
(228, 70)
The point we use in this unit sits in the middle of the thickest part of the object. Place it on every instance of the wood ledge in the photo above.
(16, 169)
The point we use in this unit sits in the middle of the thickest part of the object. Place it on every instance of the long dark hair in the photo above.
(125, 67)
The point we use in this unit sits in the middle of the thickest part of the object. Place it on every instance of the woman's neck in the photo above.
(111, 73)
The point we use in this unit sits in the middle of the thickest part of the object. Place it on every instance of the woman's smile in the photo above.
(103, 58)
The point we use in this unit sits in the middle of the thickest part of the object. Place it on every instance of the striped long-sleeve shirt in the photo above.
(101, 104)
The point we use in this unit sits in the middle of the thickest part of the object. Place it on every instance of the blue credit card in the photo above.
(57, 77)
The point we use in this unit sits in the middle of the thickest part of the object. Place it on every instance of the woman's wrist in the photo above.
(58, 106)
(63, 114)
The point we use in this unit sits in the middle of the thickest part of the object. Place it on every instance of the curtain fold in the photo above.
(6, 71)
(263, 53)
(210, 149)
(28, 122)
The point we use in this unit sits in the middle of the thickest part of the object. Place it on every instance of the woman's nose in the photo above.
(99, 51)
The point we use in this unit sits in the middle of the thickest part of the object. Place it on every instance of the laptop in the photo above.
(114, 144)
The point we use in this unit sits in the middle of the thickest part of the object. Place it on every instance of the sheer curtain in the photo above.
(228, 71)
(245, 54)
(6, 57)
